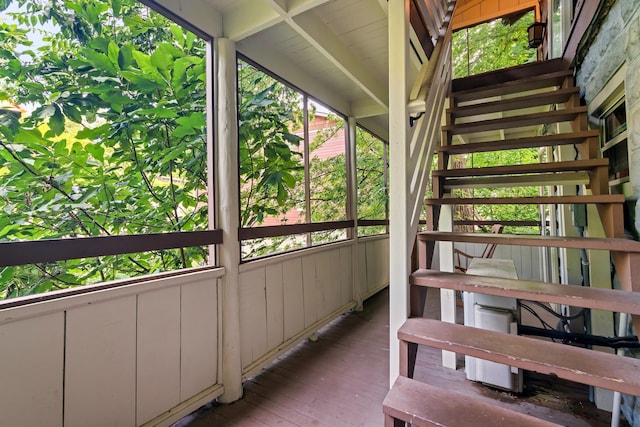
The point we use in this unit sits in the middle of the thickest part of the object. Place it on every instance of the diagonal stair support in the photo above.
(410, 151)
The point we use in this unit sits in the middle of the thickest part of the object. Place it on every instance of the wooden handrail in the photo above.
(372, 222)
(52, 250)
(285, 230)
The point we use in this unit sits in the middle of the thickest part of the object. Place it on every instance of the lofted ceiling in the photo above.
(335, 50)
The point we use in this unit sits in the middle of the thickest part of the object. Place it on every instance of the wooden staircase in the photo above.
(519, 95)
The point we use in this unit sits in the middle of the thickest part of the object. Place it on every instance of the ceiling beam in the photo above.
(333, 49)
(291, 72)
(248, 17)
(367, 108)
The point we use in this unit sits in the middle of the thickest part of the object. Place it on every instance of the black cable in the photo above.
(537, 316)
(559, 316)
(582, 339)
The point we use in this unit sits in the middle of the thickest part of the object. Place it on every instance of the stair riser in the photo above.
(537, 100)
(524, 71)
(516, 122)
(580, 138)
(510, 88)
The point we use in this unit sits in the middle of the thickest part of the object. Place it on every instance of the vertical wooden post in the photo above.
(399, 214)
(226, 131)
(352, 209)
(447, 296)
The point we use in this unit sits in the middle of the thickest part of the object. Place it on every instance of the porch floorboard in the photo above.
(342, 379)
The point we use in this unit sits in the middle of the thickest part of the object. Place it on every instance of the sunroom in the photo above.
(191, 189)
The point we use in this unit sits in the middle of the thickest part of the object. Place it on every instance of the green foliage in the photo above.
(271, 168)
(491, 46)
(486, 47)
(370, 174)
(115, 142)
(498, 213)
(328, 172)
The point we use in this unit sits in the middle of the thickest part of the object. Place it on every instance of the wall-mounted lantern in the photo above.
(536, 31)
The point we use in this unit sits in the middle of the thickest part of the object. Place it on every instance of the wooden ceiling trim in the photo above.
(473, 12)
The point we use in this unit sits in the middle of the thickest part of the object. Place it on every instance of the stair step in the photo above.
(571, 363)
(531, 83)
(535, 100)
(539, 180)
(607, 244)
(516, 121)
(533, 200)
(422, 404)
(489, 223)
(517, 72)
(531, 168)
(574, 295)
(528, 142)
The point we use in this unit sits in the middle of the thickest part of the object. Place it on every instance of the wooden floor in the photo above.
(342, 378)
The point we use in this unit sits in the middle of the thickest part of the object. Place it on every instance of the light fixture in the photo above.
(536, 31)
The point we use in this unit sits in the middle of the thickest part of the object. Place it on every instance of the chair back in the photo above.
(491, 248)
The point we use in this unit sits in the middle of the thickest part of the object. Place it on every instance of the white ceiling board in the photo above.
(378, 125)
(332, 47)
(334, 50)
(244, 20)
(290, 71)
(221, 5)
(200, 13)
(366, 108)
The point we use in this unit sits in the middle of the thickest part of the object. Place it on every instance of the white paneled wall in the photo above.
(374, 264)
(114, 357)
(100, 364)
(289, 297)
(31, 371)
(149, 352)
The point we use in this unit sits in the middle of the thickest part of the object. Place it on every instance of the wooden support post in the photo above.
(404, 352)
(589, 148)
(352, 183)
(610, 216)
(447, 296)
(228, 215)
(627, 268)
(399, 214)
(599, 180)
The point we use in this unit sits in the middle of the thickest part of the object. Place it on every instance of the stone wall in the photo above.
(618, 43)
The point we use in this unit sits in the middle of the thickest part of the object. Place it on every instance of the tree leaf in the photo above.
(144, 62)
(114, 54)
(56, 122)
(99, 61)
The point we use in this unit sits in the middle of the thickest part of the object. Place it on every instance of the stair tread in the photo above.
(529, 200)
(516, 103)
(528, 142)
(513, 86)
(530, 168)
(604, 243)
(572, 363)
(537, 180)
(516, 121)
(613, 300)
(425, 405)
(517, 72)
